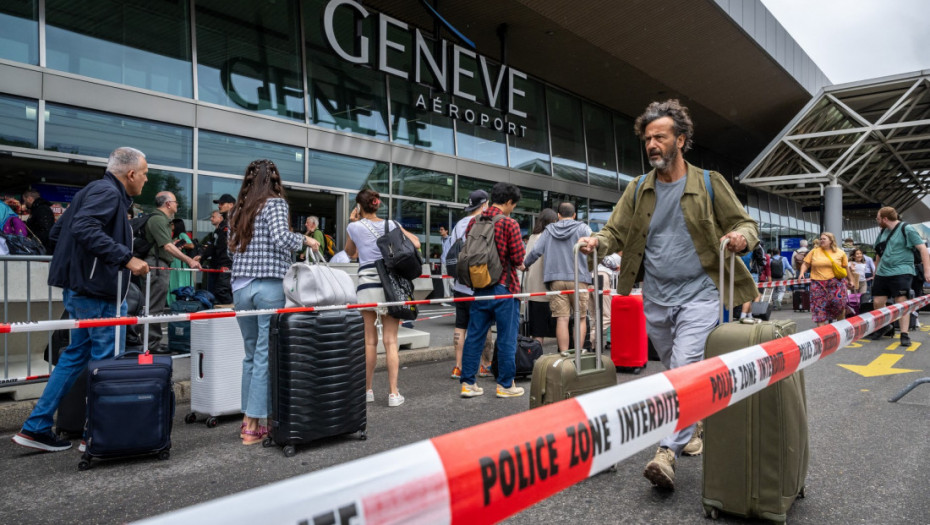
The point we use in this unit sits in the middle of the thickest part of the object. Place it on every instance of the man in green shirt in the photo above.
(163, 252)
(894, 259)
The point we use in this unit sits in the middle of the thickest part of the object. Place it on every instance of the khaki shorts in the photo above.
(563, 305)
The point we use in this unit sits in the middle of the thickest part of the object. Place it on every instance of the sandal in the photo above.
(242, 431)
(253, 437)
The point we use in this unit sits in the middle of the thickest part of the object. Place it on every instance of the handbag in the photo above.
(838, 271)
(396, 288)
(20, 245)
(399, 254)
(317, 284)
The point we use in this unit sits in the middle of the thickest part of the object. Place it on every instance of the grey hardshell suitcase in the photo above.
(571, 373)
(756, 451)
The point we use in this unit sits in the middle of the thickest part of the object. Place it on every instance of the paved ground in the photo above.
(868, 456)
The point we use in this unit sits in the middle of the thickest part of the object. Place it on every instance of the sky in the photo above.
(859, 39)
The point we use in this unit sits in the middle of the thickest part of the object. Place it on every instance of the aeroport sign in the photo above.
(465, 64)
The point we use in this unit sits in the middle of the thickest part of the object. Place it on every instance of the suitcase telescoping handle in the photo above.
(723, 257)
(579, 342)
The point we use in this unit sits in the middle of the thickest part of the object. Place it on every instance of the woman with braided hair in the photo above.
(261, 245)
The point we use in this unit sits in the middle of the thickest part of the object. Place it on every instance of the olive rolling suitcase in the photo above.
(755, 451)
(571, 373)
(130, 407)
(629, 346)
(317, 367)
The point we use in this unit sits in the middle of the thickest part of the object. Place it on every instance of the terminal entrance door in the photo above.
(328, 207)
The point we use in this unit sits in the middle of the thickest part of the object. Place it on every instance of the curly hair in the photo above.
(670, 108)
(262, 181)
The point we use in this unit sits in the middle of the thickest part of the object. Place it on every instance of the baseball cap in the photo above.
(225, 199)
(476, 199)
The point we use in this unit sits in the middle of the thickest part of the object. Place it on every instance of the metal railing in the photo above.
(19, 272)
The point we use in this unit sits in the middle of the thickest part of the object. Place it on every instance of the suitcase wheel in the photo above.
(84, 465)
(362, 435)
(164, 454)
(212, 422)
(711, 512)
(801, 493)
(290, 451)
(190, 418)
(267, 443)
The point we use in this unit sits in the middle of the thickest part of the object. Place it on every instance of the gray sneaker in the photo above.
(695, 446)
(661, 470)
(512, 391)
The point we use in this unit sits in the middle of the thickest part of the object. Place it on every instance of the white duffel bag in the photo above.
(317, 284)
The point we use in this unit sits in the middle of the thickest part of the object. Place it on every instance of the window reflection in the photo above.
(567, 136)
(248, 56)
(531, 152)
(230, 154)
(19, 31)
(18, 123)
(346, 97)
(413, 120)
(340, 171)
(629, 149)
(428, 184)
(141, 43)
(602, 156)
(96, 134)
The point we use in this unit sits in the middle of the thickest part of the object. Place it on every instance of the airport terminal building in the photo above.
(423, 101)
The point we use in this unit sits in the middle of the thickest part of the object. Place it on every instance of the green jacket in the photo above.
(626, 230)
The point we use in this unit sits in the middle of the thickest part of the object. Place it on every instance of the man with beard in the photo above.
(669, 225)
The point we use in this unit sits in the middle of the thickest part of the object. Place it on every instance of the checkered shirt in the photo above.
(269, 254)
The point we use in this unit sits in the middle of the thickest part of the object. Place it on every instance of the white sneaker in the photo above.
(471, 390)
(395, 400)
(370, 396)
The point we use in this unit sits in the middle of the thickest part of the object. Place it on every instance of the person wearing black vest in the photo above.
(216, 252)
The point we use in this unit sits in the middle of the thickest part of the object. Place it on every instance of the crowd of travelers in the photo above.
(662, 216)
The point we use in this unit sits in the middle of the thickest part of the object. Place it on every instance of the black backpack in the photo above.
(140, 245)
(452, 257)
(778, 267)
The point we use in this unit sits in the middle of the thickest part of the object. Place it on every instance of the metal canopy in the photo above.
(872, 138)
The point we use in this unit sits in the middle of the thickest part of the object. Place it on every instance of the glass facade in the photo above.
(339, 171)
(273, 58)
(96, 134)
(231, 154)
(141, 43)
(19, 125)
(180, 184)
(19, 31)
(248, 56)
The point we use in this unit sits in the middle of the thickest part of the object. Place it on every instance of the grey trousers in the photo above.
(158, 304)
(678, 334)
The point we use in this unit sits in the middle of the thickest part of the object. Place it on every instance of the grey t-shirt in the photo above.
(674, 275)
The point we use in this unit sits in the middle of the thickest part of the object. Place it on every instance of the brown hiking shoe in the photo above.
(695, 446)
(661, 470)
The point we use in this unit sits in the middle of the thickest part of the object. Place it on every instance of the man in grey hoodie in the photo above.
(556, 242)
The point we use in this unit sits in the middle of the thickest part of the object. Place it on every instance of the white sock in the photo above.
(743, 315)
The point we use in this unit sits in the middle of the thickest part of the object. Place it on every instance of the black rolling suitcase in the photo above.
(317, 367)
(130, 408)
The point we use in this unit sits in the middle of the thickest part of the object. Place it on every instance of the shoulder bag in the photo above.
(317, 284)
(396, 289)
(399, 254)
(838, 271)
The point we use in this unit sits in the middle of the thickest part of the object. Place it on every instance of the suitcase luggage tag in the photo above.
(146, 358)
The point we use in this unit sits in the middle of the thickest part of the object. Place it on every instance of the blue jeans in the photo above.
(256, 386)
(86, 344)
(506, 313)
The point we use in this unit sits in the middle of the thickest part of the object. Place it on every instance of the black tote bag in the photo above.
(396, 288)
(399, 254)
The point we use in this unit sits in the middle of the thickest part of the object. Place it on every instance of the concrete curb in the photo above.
(13, 413)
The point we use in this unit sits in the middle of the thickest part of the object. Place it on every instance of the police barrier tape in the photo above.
(70, 324)
(788, 282)
(485, 473)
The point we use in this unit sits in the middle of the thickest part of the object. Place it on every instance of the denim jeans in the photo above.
(86, 344)
(506, 313)
(256, 385)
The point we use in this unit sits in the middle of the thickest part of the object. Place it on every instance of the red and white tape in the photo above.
(484, 474)
(69, 324)
(788, 282)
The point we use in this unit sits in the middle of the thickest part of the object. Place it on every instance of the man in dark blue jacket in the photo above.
(93, 250)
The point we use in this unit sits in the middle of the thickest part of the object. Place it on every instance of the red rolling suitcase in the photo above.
(628, 342)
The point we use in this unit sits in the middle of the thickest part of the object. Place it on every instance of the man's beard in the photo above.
(666, 161)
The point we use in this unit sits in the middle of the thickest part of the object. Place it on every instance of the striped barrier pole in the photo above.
(485, 473)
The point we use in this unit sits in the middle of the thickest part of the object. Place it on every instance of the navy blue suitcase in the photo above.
(179, 332)
(130, 408)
